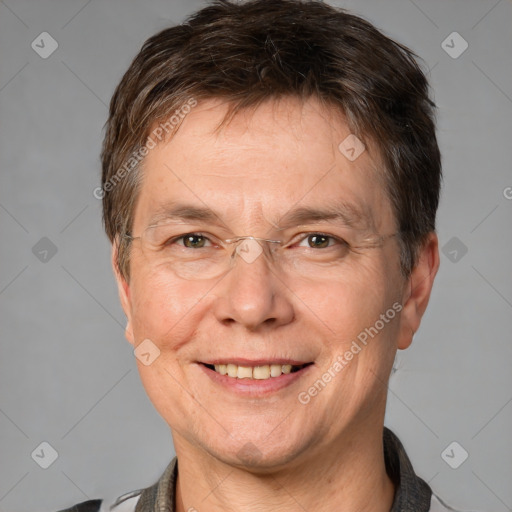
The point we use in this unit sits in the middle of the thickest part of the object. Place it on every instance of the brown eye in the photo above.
(318, 241)
(193, 241)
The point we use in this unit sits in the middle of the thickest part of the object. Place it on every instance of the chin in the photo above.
(257, 456)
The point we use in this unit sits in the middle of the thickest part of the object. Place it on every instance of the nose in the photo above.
(252, 294)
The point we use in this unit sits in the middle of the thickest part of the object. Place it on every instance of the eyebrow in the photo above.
(178, 211)
(342, 212)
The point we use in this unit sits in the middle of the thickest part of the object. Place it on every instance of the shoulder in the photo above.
(438, 505)
(149, 497)
(125, 503)
(86, 506)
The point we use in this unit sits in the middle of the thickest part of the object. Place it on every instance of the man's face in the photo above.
(254, 174)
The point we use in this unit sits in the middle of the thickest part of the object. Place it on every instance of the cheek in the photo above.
(165, 309)
(355, 296)
(349, 309)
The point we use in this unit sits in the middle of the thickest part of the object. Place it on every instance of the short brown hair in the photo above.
(257, 50)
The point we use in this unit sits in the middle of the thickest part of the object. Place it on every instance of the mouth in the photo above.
(260, 371)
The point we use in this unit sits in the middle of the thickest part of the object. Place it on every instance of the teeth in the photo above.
(286, 368)
(275, 370)
(221, 368)
(257, 372)
(232, 370)
(244, 372)
(261, 372)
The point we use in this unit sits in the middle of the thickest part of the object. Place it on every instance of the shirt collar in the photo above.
(412, 494)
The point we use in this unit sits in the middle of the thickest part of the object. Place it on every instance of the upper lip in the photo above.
(240, 361)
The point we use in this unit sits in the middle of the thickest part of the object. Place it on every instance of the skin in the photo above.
(324, 455)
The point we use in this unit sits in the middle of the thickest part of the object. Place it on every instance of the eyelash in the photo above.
(305, 237)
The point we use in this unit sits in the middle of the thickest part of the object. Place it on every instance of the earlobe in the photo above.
(417, 290)
(124, 294)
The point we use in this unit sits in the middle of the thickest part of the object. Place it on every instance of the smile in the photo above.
(259, 372)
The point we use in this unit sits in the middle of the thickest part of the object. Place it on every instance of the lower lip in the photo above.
(255, 387)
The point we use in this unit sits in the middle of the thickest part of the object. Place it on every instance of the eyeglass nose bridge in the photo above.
(249, 252)
(239, 238)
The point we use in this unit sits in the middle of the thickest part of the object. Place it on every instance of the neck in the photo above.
(350, 476)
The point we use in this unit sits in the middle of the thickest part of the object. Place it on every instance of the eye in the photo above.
(320, 241)
(192, 240)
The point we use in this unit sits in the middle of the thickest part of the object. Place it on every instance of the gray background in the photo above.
(68, 377)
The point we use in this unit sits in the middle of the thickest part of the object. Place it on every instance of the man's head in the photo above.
(291, 122)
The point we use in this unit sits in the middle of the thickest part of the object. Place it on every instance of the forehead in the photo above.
(263, 163)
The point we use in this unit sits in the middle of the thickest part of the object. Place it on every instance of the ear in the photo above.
(124, 293)
(416, 292)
